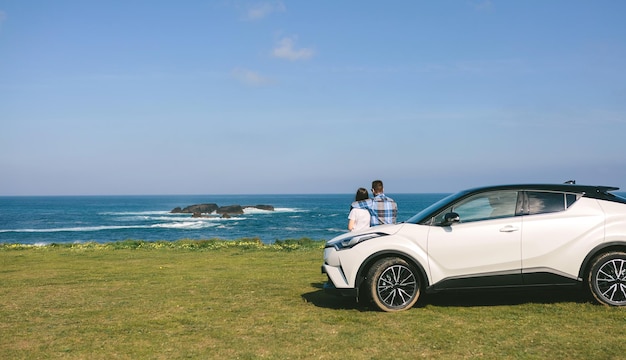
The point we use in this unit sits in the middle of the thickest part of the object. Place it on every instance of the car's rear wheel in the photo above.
(607, 279)
(393, 284)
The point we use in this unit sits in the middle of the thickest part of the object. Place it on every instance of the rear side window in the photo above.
(548, 202)
(571, 198)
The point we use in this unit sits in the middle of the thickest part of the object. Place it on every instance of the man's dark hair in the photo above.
(377, 186)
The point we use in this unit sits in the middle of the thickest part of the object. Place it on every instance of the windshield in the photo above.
(429, 211)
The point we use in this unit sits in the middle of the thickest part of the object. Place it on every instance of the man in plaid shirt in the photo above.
(383, 209)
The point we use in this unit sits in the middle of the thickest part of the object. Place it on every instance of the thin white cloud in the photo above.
(286, 49)
(249, 77)
(261, 10)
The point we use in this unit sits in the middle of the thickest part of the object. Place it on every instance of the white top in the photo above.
(361, 218)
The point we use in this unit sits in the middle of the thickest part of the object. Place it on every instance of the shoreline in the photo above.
(186, 244)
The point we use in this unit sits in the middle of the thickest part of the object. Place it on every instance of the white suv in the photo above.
(490, 237)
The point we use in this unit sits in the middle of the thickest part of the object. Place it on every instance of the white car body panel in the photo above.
(342, 265)
(560, 241)
(480, 247)
(615, 221)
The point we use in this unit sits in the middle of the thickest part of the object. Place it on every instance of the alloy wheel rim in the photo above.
(611, 281)
(397, 286)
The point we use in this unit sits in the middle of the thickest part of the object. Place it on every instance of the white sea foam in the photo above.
(184, 225)
(184, 218)
(289, 210)
(251, 211)
(75, 229)
(217, 218)
(166, 223)
(123, 213)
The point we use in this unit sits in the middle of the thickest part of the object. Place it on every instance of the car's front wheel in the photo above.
(393, 284)
(607, 279)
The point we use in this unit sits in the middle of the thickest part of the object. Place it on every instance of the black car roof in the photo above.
(591, 191)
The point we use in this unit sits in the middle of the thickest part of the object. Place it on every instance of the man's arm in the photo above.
(363, 204)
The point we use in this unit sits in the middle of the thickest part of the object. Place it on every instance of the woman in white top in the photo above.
(359, 219)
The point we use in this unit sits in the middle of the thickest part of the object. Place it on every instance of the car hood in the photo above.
(387, 229)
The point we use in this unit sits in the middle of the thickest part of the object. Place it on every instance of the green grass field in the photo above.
(246, 300)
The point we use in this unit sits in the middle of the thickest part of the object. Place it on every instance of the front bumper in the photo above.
(331, 289)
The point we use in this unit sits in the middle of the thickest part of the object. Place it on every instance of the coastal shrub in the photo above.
(182, 244)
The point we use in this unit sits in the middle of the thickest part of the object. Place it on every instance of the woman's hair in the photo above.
(361, 194)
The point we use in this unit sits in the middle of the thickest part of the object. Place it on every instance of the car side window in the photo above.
(571, 198)
(547, 202)
(484, 206)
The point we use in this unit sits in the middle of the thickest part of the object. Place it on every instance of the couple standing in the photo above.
(366, 212)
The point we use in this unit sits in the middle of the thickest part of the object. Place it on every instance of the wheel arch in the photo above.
(369, 261)
(598, 250)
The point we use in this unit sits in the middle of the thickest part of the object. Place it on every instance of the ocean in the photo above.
(74, 219)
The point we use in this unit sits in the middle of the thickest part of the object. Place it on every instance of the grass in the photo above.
(242, 299)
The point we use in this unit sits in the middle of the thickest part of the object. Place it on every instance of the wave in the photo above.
(292, 228)
(122, 213)
(74, 229)
(193, 225)
(177, 218)
(288, 210)
(252, 211)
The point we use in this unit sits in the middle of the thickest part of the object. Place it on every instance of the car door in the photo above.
(483, 248)
(559, 231)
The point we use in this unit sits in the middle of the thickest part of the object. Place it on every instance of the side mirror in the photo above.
(450, 218)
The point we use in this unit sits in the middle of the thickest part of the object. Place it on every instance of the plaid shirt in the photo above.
(383, 210)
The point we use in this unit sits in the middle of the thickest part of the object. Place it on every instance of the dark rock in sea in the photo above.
(230, 209)
(198, 208)
(225, 216)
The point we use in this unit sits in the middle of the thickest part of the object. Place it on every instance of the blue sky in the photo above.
(244, 97)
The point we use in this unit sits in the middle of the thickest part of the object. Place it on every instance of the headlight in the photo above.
(350, 241)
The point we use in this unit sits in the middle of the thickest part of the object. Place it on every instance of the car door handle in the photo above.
(509, 228)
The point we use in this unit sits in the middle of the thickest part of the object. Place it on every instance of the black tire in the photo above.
(607, 279)
(393, 284)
